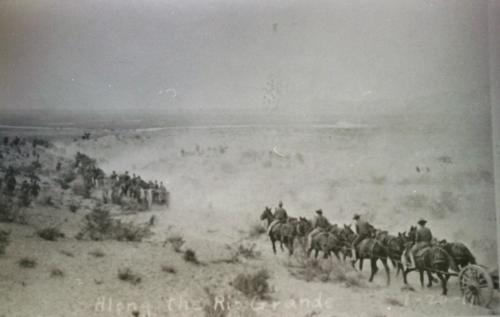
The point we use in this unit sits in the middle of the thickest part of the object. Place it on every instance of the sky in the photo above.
(271, 57)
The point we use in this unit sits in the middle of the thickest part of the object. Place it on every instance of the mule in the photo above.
(395, 245)
(459, 252)
(369, 248)
(432, 259)
(327, 241)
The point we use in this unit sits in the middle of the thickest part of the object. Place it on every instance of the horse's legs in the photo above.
(361, 264)
(281, 245)
(316, 252)
(443, 283)
(290, 246)
(274, 245)
(421, 273)
(337, 255)
(400, 268)
(387, 271)
(431, 279)
(374, 268)
(353, 263)
(309, 251)
(405, 273)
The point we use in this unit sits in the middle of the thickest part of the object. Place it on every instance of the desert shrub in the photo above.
(393, 302)
(41, 142)
(127, 275)
(128, 231)
(176, 241)
(256, 230)
(445, 159)
(50, 233)
(9, 211)
(407, 288)
(98, 225)
(168, 269)
(253, 285)
(190, 256)
(73, 207)
(67, 253)
(4, 240)
(68, 177)
(97, 253)
(214, 308)
(27, 262)
(25, 198)
(33, 167)
(55, 272)
(81, 188)
(47, 201)
(64, 185)
(325, 271)
(247, 251)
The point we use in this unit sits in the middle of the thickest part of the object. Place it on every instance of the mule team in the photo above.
(415, 250)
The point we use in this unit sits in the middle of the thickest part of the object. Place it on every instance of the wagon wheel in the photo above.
(476, 285)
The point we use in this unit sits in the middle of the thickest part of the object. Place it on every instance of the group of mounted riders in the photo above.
(415, 250)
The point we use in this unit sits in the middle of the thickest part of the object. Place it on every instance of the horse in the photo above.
(369, 248)
(395, 245)
(459, 252)
(327, 241)
(432, 259)
(283, 232)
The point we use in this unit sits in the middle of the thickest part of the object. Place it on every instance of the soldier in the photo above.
(423, 238)
(113, 176)
(10, 181)
(34, 187)
(280, 216)
(363, 229)
(280, 213)
(156, 193)
(319, 224)
(25, 193)
(163, 194)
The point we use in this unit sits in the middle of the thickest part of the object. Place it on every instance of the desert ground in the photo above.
(220, 179)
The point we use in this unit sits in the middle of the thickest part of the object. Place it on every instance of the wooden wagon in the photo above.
(478, 284)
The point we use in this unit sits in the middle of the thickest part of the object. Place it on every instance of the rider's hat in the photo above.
(319, 211)
(422, 221)
(280, 203)
(356, 217)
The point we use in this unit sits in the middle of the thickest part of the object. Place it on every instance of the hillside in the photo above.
(220, 180)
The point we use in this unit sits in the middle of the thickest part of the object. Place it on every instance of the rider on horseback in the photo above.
(364, 230)
(280, 213)
(319, 223)
(423, 238)
(280, 216)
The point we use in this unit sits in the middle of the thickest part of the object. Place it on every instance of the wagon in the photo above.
(478, 284)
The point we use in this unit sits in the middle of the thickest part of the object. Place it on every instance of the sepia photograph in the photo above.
(223, 158)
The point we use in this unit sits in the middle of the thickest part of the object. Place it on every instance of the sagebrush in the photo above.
(253, 285)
